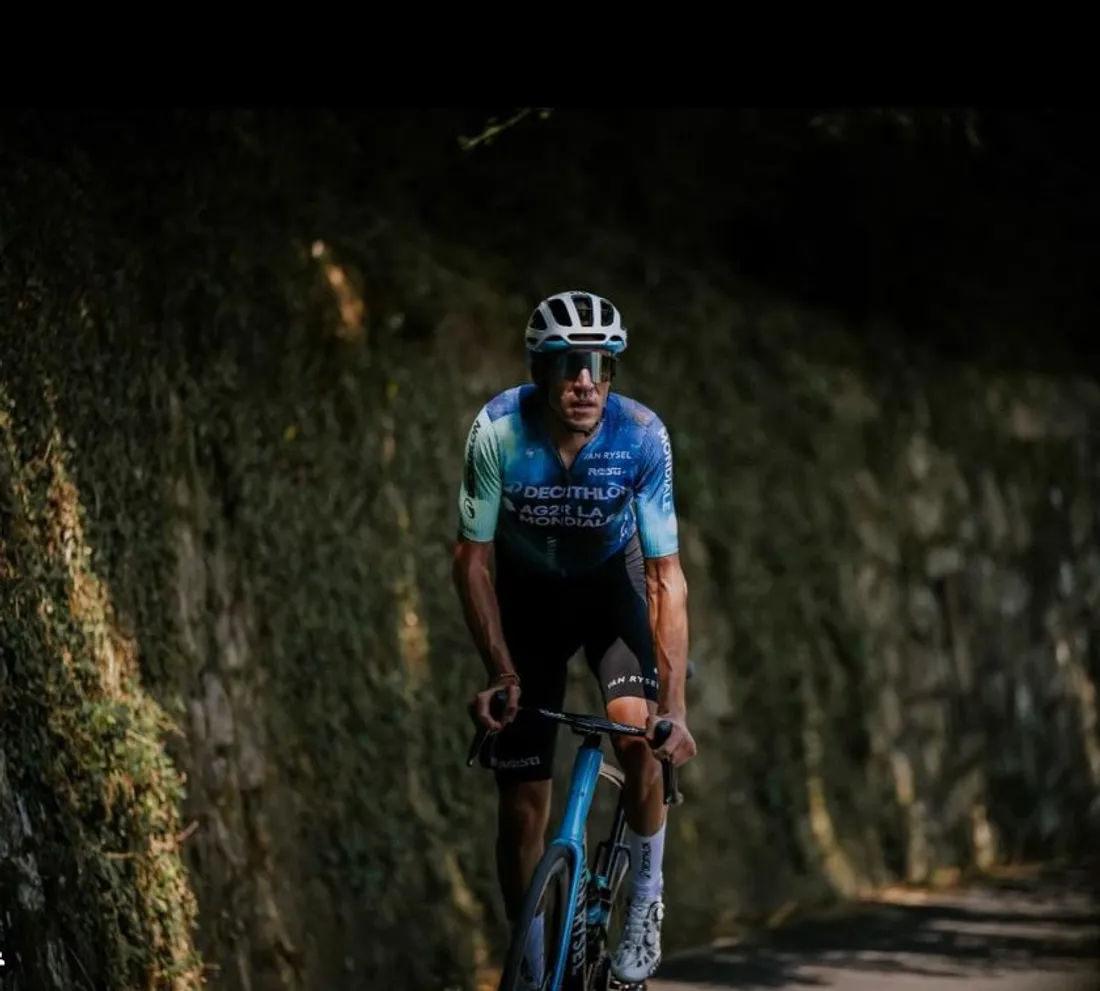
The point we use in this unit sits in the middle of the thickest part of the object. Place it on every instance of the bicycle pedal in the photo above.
(614, 984)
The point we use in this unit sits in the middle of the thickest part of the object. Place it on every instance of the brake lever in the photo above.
(480, 737)
(496, 708)
(669, 776)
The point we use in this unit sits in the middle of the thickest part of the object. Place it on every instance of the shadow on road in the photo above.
(1015, 932)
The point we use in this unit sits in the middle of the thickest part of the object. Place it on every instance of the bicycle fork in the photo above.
(573, 831)
(578, 938)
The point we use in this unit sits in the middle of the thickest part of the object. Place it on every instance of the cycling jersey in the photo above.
(544, 517)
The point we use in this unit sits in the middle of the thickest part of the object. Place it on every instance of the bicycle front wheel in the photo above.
(610, 871)
(547, 899)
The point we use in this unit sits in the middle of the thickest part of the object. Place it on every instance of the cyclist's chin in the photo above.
(582, 417)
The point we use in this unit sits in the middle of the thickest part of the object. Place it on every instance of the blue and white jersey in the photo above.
(544, 517)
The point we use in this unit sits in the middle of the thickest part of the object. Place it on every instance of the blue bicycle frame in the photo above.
(572, 835)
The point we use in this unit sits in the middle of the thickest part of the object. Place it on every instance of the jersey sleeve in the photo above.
(480, 492)
(654, 501)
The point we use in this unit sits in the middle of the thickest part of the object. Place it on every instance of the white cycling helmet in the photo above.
(575, 319)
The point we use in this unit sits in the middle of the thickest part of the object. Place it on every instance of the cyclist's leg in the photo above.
(619, 648)
(522, 761)
(540, 644)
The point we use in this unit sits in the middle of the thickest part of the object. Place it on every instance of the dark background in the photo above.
(967, 228)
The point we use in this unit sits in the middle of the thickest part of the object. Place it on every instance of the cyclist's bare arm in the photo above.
(479, 500)
(474, 584)
(666, 593)
(666, 586)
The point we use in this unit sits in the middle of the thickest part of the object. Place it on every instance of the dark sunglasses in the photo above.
(569, 364)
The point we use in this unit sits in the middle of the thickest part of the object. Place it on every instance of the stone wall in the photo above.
(234, 670)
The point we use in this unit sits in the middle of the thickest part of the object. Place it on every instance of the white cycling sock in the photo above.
(535, 951)
(646, 857)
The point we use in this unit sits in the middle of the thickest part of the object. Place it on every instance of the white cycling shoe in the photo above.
(639, 951)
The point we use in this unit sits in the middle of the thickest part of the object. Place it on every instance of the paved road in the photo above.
(1040, 933)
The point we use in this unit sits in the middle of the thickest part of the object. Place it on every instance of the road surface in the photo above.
(1035, 933)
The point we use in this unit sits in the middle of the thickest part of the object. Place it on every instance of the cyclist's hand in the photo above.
(483, 698)
(680, 746)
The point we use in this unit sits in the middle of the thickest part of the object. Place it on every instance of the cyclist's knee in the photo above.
(629, 709)
(635, 756)
(524, 810)
(634, 753)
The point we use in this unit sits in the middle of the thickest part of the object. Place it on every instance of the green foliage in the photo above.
(86, 759)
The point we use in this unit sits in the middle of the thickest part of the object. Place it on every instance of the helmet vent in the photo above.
(583, 303)
(561, 313)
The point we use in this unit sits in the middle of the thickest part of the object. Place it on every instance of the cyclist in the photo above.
(568, 488)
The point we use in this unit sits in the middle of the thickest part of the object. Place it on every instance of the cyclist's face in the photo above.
(577, 384)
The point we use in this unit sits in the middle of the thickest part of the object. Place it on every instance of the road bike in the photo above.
(576, 929)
